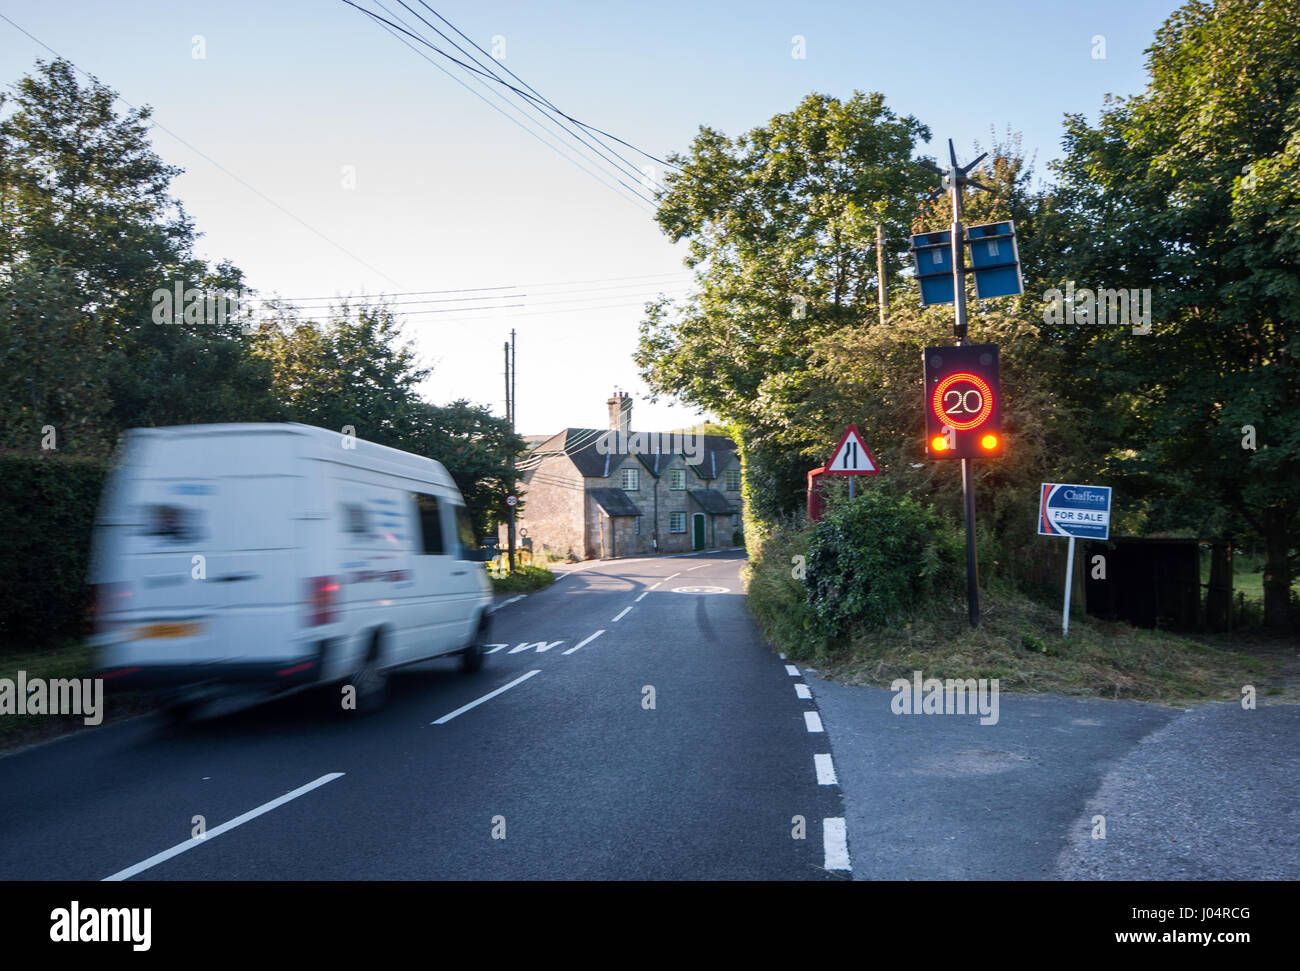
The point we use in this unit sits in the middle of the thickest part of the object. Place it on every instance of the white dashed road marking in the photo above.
(791, 670)
(640, 598)
(835, 844)
(825, 770)
(584, 643)
(802, 691)
(621, 614)
(226, 827)
(813, 721)
(487, 697)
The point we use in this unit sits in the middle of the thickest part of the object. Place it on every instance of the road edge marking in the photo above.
(487, 697)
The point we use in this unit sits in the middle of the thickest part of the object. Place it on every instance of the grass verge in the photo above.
(1019, 642)
(69, 659)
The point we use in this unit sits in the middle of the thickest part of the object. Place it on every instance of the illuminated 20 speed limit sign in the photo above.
(963, 408)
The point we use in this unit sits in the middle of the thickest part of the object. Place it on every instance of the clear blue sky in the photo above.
(449, 194)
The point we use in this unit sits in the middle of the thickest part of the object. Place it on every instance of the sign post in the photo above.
(940, 270)
(512, 501)
(1073, 511)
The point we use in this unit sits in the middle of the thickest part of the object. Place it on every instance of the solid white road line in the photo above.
(487, 697)
(506, 603)
(621, 614)
(835, 844)
(700, 567)
(640, 598)
(825, 770)
(226, 827)
(813, 721)
(584, 643)
(801, 691)
(791, 670)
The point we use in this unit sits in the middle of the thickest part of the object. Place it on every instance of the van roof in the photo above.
(326, 445)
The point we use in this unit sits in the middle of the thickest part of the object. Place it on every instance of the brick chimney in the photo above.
(620, 412)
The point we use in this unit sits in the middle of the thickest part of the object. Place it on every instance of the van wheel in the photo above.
(371, 681)
(471, 659)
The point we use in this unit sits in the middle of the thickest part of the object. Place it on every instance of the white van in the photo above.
(280, 555)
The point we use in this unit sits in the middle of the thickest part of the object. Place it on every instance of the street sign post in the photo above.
(995, 263)
(1073, 511)
(852, 458)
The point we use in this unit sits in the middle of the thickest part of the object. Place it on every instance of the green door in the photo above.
(698, 543)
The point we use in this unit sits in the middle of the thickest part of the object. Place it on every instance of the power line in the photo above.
(492, 66)
(474, 68)
(396, 31)
(539, 94)
(260, 194)
(530, 286)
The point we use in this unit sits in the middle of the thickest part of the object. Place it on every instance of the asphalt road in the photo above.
(552, 763)
(561, 756)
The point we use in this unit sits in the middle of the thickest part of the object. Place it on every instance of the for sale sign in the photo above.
(1074, 510)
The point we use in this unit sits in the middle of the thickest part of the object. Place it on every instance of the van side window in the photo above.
(466, 530)
(430, 525)
(175, 523)
(354, 519)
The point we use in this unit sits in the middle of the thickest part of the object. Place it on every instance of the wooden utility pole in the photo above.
(880, 272)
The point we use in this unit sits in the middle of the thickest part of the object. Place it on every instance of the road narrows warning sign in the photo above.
(852, 457)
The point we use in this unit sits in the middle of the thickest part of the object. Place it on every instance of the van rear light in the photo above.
(107, 598)
(322, 592)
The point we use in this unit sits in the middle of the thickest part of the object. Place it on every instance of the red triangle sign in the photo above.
(852, 457)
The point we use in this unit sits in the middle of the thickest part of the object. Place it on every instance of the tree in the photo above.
(1190, 189)
(84, 199)
(779, 223)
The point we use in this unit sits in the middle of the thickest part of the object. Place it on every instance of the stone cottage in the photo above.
(601, 493)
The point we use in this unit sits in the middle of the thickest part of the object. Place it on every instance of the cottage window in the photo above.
(733, 480)
(677, 522)
(631, 480)
(677, 480)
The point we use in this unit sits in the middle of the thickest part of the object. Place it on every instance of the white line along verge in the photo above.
(666, 579)
(825, 770)
(791, 670)
(813, 721)
(621, 614)
(835, 844)
(640, 598)
(226, 827)
(506, 603)
(584, 643)
(700, 567)
(487, 697)
(802, 691)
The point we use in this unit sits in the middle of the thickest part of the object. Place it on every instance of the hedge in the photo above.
(48, 507)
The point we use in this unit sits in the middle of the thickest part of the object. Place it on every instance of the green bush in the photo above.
(48, 507)
(874, 560)
(774, 590)
(526, 579)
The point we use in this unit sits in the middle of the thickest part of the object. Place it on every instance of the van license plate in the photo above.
(150, 631)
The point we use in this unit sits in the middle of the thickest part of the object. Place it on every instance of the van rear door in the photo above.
(162, 540)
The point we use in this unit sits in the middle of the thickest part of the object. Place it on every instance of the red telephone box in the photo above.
(816, 498)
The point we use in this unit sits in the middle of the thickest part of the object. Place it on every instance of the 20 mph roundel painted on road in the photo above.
(1074, 510)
